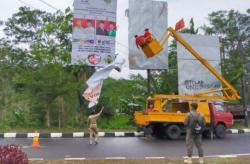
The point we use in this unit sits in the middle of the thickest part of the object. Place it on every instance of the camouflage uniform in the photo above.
(92, 125)
(190, 139)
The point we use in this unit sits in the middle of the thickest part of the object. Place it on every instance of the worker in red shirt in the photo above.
(147, 36)
(140, 41)
(150, 107)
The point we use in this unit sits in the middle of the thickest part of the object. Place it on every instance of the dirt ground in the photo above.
(150, 161)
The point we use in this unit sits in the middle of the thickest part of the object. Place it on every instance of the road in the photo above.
(131, 147)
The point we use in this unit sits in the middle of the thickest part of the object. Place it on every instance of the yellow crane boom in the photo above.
(229, 92)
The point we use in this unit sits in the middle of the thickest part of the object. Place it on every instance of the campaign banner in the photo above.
(94, 32)
(93, 92)
(193, 77)
(153, 15)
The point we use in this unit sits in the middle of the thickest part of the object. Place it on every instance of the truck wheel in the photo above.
(206, 134)
(220, 131)
(173, 132)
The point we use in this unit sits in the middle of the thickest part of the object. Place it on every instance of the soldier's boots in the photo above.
(188, 160)
(201, 160)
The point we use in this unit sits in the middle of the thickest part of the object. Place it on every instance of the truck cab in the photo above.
(221, 119)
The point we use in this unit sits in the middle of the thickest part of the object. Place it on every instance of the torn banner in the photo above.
(93, 92)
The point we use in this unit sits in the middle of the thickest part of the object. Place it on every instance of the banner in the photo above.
(93, 92)
(193, 77)
(94, 32)
(154, 16)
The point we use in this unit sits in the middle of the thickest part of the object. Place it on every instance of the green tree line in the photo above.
(41, 89)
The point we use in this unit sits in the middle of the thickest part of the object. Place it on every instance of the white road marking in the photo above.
(223, 156)
(36, 159)
(115, 158)
(227, 156)
(154, 157)
(71, 159)
(244, 154)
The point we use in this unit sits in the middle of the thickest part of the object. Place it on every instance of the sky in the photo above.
(177, 9)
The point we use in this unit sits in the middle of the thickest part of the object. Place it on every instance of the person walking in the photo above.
(92, 125)
(194, 123)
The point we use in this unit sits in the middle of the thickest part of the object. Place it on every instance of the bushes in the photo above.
(12, 154)
(122, 121)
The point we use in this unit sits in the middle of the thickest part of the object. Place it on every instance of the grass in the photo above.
(153, 161)
(116, 123)
(240, 125)
(63, 130)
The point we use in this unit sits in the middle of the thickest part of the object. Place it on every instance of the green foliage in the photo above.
(39, 88)
(233, 28)
(117, 122)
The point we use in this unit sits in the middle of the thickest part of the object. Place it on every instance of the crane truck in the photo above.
(167, 114)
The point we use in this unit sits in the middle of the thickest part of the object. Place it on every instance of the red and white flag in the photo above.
(180, 25)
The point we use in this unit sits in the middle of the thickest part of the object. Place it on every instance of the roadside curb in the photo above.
(100, 134)
(71, 135)
(238, 131)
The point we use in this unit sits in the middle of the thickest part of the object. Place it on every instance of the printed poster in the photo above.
(94, 32)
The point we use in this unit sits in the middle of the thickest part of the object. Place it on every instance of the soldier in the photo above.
(92, 125)
(194, 122)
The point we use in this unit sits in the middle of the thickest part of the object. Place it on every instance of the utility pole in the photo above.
(149, 81)
(244, 83)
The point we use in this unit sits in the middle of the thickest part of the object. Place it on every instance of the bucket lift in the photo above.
(155, 47)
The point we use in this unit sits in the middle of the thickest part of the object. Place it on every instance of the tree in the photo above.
(22, 26)
(44, 54)
(233, 28)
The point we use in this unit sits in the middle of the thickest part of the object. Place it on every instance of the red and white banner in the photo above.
(93, 92)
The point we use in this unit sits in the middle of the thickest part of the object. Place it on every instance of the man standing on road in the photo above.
(194, 123)
(92, 125)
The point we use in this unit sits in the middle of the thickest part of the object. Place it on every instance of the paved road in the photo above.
(128, 147)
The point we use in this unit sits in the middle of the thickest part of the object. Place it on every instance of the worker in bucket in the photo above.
(92, 125)
(140, 41)
(147, 35)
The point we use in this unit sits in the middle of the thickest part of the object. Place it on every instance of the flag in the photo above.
(179, 25)
(93, 92)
